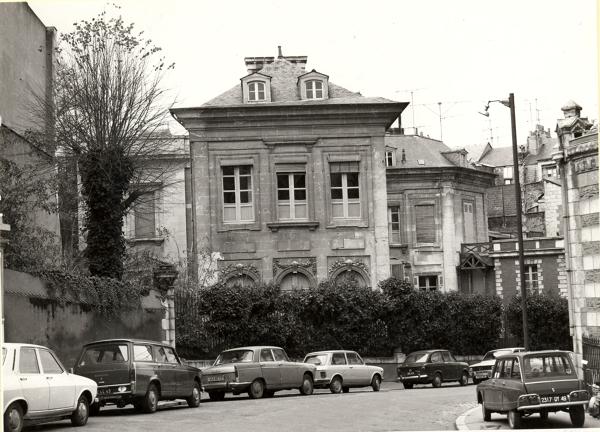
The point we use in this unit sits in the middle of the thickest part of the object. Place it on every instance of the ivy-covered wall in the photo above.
(34, 314)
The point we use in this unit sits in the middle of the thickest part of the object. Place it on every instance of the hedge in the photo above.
(547, 319)
(336, 316)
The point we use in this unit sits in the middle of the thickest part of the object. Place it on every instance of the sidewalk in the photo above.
(473, 420)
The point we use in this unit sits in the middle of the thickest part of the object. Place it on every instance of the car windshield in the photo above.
(491, 355)
(416, 357)
(102, 354)
(316, 359)
(235, 356)
(547, 365)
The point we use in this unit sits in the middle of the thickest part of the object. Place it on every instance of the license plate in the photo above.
(554, 399)
(216, 378)
(410, 372)
(481, 374)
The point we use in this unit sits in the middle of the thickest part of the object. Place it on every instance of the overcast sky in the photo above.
(460, 53)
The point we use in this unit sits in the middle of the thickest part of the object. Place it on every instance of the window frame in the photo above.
(291, 201)
(237, 205)
(439, 282)
(53, 357)
(416, 220)
(400, 232)
(345, 201)
(37, 360)
(532, 283)
(138, 215)
(337, 157)
(311, 88)
(508, 174)
(253, 89)
(152, 357)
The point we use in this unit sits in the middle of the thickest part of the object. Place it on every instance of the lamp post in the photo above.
(517, 182)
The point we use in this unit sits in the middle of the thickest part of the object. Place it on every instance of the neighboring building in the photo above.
(27, 65)
(436, 202)
(157, 222)
(577, 160)
(289, 177)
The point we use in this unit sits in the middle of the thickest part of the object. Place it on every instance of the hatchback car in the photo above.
(432, 367)
(340, 370)
(139, 372)
(258, 370)
(529, 382)
(483, 370)
(37, 388)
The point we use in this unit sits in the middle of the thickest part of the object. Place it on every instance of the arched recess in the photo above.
(296, 278)
(240, 275)
(349, 271)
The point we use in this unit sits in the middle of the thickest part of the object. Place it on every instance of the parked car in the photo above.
(528, 382)
(258, 370)
(483, 370)
(139, 372)
(37, 388)
(432, 367)
(340, 370)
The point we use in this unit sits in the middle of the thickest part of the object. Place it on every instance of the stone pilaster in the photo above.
(451, 256)
(381, 266)
(164, 278)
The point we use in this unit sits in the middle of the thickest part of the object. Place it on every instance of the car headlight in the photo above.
(122, 389)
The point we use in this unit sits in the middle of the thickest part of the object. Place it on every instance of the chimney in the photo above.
(571, 109)
(279, 55)
(255, 64)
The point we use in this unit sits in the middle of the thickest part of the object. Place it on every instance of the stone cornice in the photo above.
(438, 174)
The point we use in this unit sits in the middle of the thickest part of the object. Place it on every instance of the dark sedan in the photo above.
(533, 382)
(432, 367)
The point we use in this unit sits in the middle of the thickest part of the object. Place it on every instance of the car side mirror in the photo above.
(70, 370)
(584, 362)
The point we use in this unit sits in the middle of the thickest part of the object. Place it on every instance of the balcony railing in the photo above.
(478, 248)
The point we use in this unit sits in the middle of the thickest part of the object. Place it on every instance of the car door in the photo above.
(290, 371)
(452, 368)
(437, 364)
(165, 372)
(61, 386)
(34, 385)
(356, 369)
(339, 365)
(513, 385)
(183, 378)
(493, 395)
(269, 368)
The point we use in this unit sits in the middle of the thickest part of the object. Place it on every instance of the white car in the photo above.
(37, 388)
(483, 370)
(340, 370)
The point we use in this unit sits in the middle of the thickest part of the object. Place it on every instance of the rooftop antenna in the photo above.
(440, 111)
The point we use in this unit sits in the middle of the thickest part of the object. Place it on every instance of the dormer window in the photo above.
(314, 89)
(313, 85)
(256, 88)
(256, 91)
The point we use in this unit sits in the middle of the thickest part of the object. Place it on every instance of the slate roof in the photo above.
(418, 148)
(544, 152)
(497, 157)
(284, 90)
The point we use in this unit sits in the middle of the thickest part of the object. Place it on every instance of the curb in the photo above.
(460, 423)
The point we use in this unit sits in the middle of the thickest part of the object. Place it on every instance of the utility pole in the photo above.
(440, 111)
(517, 183)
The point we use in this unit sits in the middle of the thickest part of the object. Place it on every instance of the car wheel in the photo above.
(335, 386)
(82, 412)
(544, 415)
(13, 418)
(95, 409)
(577, 414)
(487, 414)
(150, 403)
(346, 389)
(376, 383)
(476, 381)
(307, 385)
(408, 386)
(193, 400)
(216, 396)
(514, 419)
(437, 380)
(464, 379)
(257, 389)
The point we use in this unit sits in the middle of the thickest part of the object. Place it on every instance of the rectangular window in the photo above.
(145, 217)
(142, 353)
(291, 196)
(507, 174)
(531, 277)
(550, 171)
(394, 225)
(397, 271)
(49, 364)
(237, 194)
(425, 223)
(28, 363)
(468, 222)
(389, 158)
(345, 190)
(428, 282)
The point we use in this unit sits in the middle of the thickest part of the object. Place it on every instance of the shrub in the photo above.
(547, 321)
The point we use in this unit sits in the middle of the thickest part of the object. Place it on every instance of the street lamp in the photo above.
(511, 104)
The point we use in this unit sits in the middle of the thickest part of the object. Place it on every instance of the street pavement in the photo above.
(391, 409)
(473, 420)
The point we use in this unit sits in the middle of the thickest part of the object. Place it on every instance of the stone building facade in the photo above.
(288, 178)
(577, 159)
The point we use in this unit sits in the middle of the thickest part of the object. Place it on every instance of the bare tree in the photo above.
(108, 101)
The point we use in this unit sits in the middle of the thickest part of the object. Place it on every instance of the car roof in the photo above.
(329, 352)
(427, 351)
(18, 345)
(529, 353)
(143, 341)
(252, 348)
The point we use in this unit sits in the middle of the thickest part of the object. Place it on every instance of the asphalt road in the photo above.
(393, 408)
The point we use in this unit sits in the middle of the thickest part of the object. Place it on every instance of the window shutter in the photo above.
(398, 271)
(416, 281)
(425, 223)
(440, 282)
